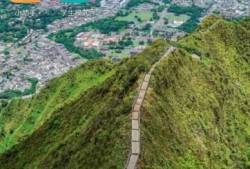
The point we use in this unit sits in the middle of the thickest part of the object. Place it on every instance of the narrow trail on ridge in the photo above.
(135, 130)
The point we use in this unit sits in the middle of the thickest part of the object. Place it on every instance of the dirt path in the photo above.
(135, 133)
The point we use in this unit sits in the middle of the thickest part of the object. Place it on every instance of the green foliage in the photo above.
(106, 26)
(3, 103)
(166, 21)
(196, 114)
(194, 12)
(156, 16)
(6, 52)
(147, 27)
(134, 3)
(89, 131)
(141, 43)
(126, 43)
(160, 8)
(30, 114)
(245, 23)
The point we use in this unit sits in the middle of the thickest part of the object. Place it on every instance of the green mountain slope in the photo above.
(89, 131)
(197, 112)
(21, 117)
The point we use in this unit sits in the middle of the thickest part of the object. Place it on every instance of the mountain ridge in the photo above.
(106, 121)
(195, 115)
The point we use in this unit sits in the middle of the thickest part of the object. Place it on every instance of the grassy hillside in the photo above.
(21, 117)
(197, 112)
(88, 131)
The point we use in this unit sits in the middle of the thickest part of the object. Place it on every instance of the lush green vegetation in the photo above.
(30, 114)
(196, 114)
(105, 26)
(194, 12)
(134, 3)
(123, 43)
(90, 130)
(11, 94)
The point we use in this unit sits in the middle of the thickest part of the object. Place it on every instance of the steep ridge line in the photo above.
(211, 27)
(135, 131)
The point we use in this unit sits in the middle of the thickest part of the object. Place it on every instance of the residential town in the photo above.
(43, 60)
